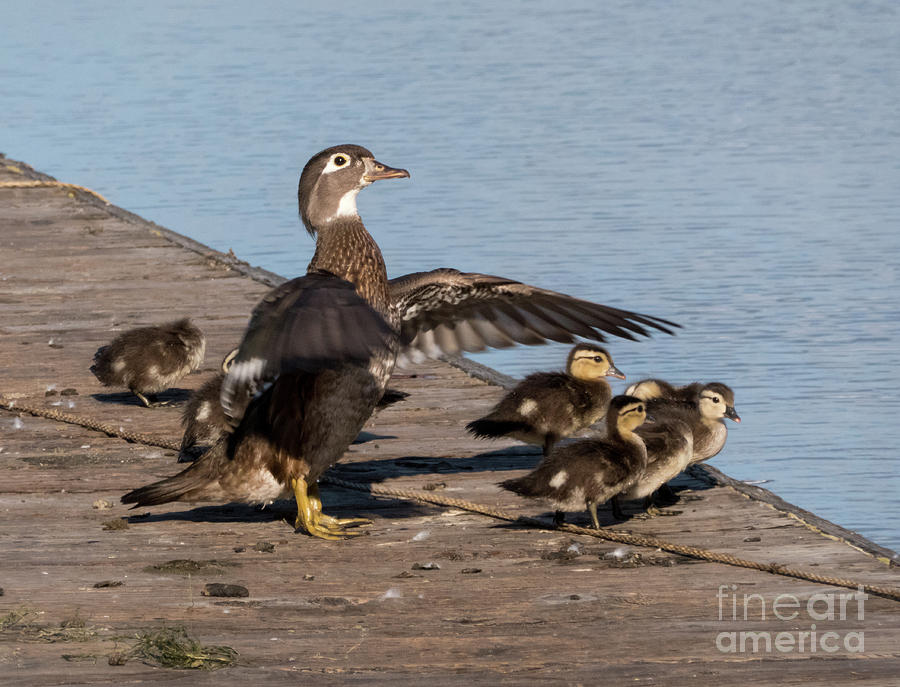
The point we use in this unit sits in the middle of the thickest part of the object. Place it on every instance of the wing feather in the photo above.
(491, 332)
(307, 324)
(445, 311)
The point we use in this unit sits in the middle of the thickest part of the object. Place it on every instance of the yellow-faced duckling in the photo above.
(659, 388)
(670, 448)
(319, 349)
(588, 472)
(705, 414)
(148, 360)
(548, 406)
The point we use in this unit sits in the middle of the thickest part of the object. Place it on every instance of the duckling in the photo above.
(658, 388)
(204, 419)
(670, 448)
(590, 471)
(704, 414)
(148, 360)
(319, 349)
(548, 406)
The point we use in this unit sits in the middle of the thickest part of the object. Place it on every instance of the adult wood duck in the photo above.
(588, 472)
(548, 406)
(148, 360)
(319, 349)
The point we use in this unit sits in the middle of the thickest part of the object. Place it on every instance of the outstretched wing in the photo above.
(307, 324)
(446, 311)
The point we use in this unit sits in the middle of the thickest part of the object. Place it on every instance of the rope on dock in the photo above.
(57, 184)
(90, 423)
(613, 535)
(617, 536)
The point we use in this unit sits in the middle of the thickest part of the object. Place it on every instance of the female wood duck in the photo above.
(588, 472)
(148, 360)
(548, 406)
(319, 349)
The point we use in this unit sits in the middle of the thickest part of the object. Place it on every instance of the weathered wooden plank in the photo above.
(507, 605)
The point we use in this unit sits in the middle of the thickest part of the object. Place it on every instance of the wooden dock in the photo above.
(432, 596)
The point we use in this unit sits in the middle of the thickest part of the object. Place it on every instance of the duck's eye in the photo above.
(640, 409)
(340, 160)
(715, 399)
(598, 359)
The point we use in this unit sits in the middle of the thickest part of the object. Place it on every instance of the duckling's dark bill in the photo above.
(613, 371)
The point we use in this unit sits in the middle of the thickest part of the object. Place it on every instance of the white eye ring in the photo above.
(336, 162)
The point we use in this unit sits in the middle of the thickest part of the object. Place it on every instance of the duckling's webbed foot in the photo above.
(592, 507)
(143, 399)
(150, 402)
(309, 513)
(651, 511)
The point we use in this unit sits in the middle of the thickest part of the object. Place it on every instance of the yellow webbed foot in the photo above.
(311, 519)
(332, 524)
(329, 521)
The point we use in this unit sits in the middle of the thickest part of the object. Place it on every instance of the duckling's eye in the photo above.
(340, 160)
(715, 399)
(640, 409)
(598, 359)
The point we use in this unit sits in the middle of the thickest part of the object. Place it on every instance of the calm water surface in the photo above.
(732, 166)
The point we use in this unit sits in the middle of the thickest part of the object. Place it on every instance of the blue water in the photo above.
(732, 166)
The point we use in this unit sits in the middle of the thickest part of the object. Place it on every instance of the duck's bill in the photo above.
(614, 372)
(731, 414)
(376, 170)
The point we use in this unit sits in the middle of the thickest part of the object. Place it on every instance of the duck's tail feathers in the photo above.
(485, 428)
(193, 483)
(390, 397)
(523, 486)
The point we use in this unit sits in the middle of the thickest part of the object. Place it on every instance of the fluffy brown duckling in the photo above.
(588, 472)
(204, 419)
(548, 406)
(659, 388)
(705, 414)
(148, 360)
(670, 448)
